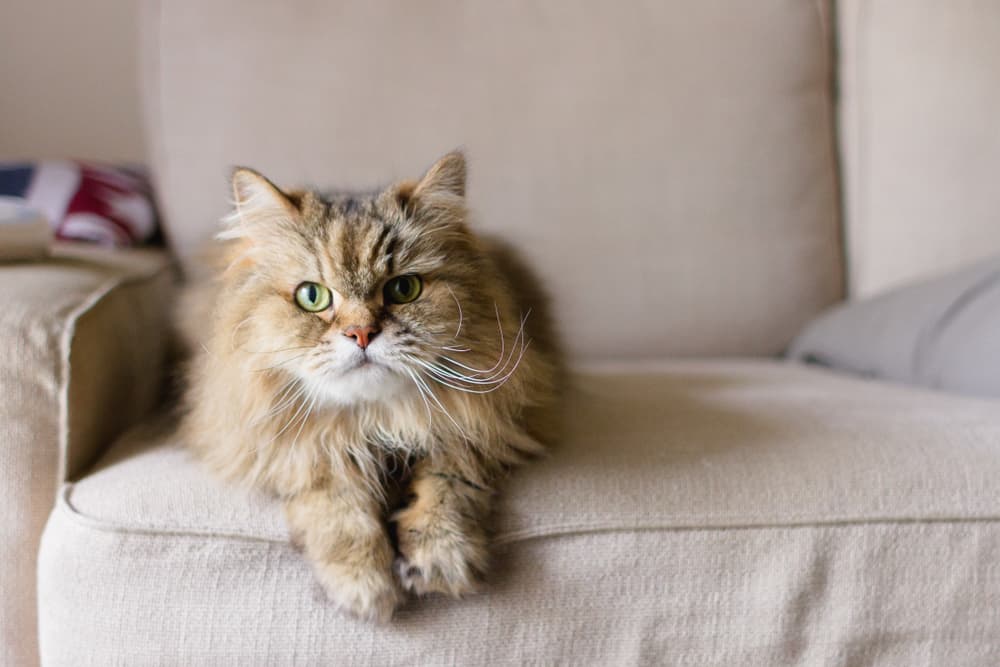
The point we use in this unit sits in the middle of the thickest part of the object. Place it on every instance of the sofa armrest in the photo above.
(106, 317)
(83, 350)
(115, 356)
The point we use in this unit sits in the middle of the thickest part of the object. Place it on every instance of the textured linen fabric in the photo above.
(920, 142)
(80, 360)
(942, 333)
(753, 513)
(669, 165)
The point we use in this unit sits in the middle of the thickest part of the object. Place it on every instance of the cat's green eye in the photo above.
(403, 289)
(312, 297)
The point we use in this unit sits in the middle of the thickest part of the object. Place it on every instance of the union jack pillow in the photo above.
(85, 201)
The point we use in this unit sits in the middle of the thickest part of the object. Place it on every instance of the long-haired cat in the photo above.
(344, 338)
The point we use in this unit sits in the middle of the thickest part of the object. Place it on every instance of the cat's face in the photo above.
(354, 296)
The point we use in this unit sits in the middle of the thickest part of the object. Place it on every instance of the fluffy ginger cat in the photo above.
(352, 344)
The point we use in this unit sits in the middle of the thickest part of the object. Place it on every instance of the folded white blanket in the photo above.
(25, 233)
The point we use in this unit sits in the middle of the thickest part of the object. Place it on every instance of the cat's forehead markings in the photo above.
(381, 241)
(324, 262)
(347, 241)
(341, 259)
(359, 244)
(350, 206)
(390, 254)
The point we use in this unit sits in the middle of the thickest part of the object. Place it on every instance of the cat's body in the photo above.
(317, 374)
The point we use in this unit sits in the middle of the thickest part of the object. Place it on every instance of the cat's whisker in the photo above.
(482, 375)
(294, 418)
(449, 377)
(452, 379)
(421, 392)
(281, 399)
(313, 397)
(279, 364)
(503, 343)
(461, 315)
(502, 363)
(500, 356)
(466, 390)
(476, 371)
(285, 387)
(446, 373)
(433, 397)
(236, 329)
(449, 374)
(449, 381)
(285, 402)
(284, 349)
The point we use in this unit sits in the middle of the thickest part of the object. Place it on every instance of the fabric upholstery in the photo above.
(919, 137)
(940, 333)
(666, 165)
(698, 512)
(81, 359)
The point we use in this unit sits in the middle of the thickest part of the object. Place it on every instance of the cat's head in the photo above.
(364, 297)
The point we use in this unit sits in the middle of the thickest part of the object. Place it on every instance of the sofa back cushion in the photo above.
(920, 103)
(666, 167)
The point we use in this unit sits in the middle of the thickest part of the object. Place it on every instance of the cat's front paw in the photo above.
(367, 592)
(436, 558)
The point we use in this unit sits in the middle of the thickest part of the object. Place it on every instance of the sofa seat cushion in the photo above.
(738, 512)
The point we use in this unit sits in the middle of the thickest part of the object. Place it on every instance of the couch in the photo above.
(694, 182)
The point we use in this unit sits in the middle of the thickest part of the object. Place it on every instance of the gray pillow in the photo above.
(942, 333)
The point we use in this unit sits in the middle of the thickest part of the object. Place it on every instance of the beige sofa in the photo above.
(694, 181)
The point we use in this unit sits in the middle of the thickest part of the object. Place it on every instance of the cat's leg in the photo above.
(442, 533)
(342, 534)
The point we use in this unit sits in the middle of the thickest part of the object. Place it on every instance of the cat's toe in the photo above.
(436, 568)
(410, 576)
(370, 595)
(407, 572)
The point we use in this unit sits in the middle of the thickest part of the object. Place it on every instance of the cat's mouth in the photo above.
(364, 362)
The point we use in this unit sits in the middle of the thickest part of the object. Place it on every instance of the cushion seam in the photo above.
(859, 150)
(824, 12)
(65, 506)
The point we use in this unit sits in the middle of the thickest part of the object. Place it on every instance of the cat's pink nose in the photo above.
(361, 335)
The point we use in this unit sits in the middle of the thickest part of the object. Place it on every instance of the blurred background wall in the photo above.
(919, 146)
(68, 84)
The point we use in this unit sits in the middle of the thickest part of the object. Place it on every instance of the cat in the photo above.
(343, 339)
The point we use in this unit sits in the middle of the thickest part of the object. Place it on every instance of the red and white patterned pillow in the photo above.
(85, 201)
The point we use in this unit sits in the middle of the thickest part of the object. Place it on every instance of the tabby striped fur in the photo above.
(455, 387)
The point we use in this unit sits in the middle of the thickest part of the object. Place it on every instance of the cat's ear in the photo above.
(445, 177)
(258, 205)
(440, 193)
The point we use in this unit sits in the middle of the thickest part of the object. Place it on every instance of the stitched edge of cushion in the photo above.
(65, 506)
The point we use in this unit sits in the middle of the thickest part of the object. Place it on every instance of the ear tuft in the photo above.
(404, 195)
(251, 190)
(257, 205)
(445, 177)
